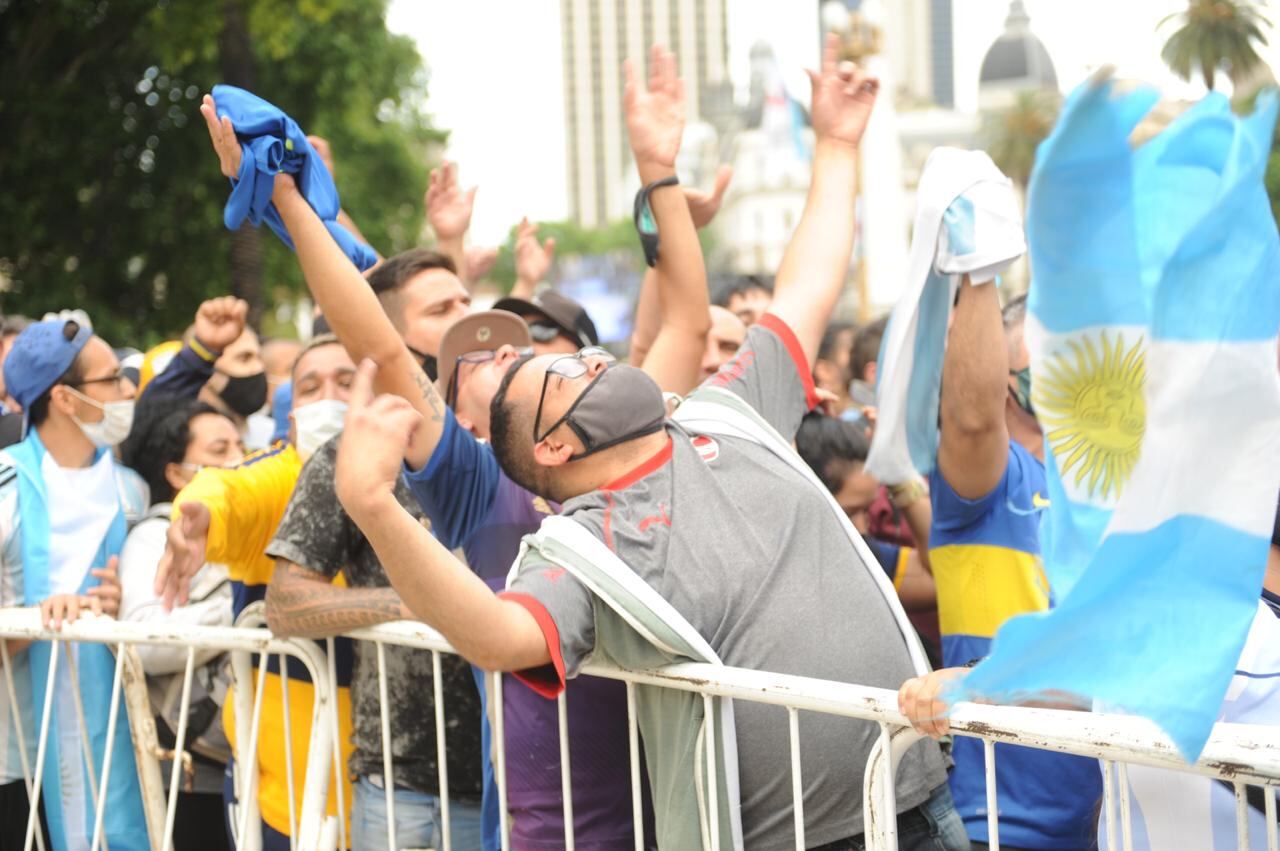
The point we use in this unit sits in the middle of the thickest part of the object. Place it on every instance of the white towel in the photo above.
(967, 222)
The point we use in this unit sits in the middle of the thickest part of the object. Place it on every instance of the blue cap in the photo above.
(40, 356)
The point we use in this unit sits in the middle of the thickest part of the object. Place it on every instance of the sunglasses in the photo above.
(477, 357)
(544, 332)
(572, 367)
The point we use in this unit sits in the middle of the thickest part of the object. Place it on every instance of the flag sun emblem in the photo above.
(1089, 400)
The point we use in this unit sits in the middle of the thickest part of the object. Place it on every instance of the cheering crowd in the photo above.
(502, 477)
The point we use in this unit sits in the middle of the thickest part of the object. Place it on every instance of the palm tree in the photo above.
(1012, 136)
(1215, 35)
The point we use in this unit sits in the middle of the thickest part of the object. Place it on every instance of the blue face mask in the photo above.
(1022, 393)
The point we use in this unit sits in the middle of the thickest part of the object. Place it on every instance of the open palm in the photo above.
(656, 112)
(843, 95)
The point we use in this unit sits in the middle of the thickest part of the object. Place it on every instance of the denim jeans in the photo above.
(933, 826)
(418, 820)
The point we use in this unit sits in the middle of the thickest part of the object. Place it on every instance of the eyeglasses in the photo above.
(474, 358)
(572, 367)
(114, 379)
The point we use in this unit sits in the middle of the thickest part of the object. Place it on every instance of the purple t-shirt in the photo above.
(473, 505)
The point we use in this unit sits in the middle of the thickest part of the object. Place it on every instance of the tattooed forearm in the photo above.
(302, 603)
(429, 394)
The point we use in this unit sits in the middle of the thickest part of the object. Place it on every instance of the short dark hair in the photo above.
(1015, 312)
(826, 348)
(505, 428)
(830, 446)
(740, 285)
(38, 411)
(389, 277)
(866, 346)
(160, 436)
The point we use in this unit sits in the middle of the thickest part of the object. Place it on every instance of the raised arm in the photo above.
(449, 209)
(655, 123)
(350, 306)
(973, 440)
(816, 261)
(703, 207)
(533, 261)
(492, 633)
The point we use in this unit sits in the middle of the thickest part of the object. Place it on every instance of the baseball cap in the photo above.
(565, 313)
(486, 331)
(40, 356)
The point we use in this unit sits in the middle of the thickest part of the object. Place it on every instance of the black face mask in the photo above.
(245, 394)
(428, 362)
(620, 404)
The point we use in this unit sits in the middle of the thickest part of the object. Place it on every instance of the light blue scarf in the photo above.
(125, 824)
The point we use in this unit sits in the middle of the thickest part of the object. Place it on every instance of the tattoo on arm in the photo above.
(300, 602)
(429, 394)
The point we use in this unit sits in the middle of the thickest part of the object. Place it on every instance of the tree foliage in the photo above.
(572, 240)
(112, 199)
(1012, 137)
(1213, 36)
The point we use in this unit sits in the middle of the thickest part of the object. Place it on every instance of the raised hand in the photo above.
(108, 592)
(223, 136)
(184, 550)
(533, 261)
(376, 437)
(843, 95)
(703, 206)
(220, 322)
(324, 152)
(448, 206)
(655, 112)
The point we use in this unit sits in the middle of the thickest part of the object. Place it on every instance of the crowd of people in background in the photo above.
(510, 471)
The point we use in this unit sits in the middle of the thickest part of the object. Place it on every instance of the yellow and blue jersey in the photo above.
(245, 505)
(986, 563)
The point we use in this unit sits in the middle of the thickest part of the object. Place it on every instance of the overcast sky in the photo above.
(496, 80)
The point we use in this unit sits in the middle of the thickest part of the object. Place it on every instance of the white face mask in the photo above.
(316, 423)
(113, 428)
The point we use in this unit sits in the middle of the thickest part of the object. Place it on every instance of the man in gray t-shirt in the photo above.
(737, 541)
(753, 557)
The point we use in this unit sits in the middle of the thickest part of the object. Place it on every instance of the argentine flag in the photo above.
(1152, 325)
(967, 223)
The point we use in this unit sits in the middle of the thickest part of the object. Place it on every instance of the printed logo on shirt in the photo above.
(541, 506)
(734, 369)
(1038, 503)
(553, 574)
(707, 448)
(660, 518)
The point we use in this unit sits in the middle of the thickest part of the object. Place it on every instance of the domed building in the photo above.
(1016, 62)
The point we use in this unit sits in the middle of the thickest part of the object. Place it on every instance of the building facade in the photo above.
(597, 36)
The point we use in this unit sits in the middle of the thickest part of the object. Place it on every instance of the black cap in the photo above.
(565, 313)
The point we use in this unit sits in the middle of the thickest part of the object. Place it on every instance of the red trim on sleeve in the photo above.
(531, 676)
(662, 456)
(788, 338)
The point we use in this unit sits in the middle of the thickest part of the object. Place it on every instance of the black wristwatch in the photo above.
(645, 224)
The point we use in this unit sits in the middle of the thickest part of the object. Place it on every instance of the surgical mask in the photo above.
(245, 394)
(113, 428)
(1022, 393)
(316, 423)
(620, 404)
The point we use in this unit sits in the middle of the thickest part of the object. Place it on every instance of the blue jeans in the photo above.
(933, 826)
(418, 820)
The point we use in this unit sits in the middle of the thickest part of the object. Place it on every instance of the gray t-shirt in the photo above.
(752, 556)
(317, 534)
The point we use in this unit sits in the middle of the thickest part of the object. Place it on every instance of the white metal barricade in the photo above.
(1241, 755)
(127, 686)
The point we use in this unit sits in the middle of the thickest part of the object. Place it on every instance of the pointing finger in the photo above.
(362, 390)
